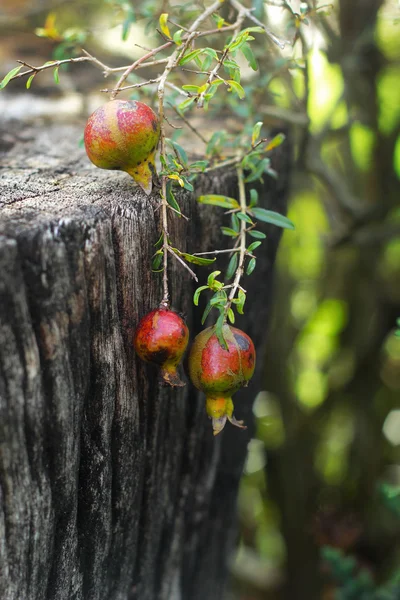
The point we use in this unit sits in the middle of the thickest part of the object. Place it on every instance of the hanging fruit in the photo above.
(221, 372)
(161, 337)
(123, 135)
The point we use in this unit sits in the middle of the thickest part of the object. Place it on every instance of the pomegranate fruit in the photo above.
(161, 337)
(123, 135)
(219, 372)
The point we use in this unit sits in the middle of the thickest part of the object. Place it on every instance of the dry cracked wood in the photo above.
(112, 487)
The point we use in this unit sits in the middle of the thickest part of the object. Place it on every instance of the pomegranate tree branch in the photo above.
(242, 241)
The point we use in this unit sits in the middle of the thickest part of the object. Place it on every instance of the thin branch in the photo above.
(134, 85)
(231, 250)
(242, 243)
(248, 13)
(185, 120)
(178, 258)
(134, 66)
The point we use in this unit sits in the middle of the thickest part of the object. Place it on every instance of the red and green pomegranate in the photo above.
(123, 135)
(162, 337)
(219, 372)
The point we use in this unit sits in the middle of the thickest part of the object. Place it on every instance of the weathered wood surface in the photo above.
(112, 487)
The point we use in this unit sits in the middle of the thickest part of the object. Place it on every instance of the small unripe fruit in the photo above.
(162, 337)
(219, 372)
(123, 135)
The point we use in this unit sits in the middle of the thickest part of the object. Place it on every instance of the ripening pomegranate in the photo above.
(219, 372)
(123, 135)
(162, 337)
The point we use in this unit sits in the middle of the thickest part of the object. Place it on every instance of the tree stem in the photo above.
(242, 238)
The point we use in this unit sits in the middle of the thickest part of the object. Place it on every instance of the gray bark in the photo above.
(112, 486)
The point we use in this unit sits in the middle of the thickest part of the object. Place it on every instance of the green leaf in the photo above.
(249, 56)
(172, 200)
(219, 331)
(211, 278)
(253, 246)
(196, 260)
(159, 242)
(199, 164)
(178, 37)
(229, 231)
(189, 56)
(156, 262)
(251, 266)
(275, 142)
(210, 52)
(56, 75)
(126, 25)
(197, 293)
(256, 132)
(232, 266)
(185, 104)
(29, 81)
(217, 200)
(231, 64)
(259, 235)
(180, 151)
(9, 75)
(253, 198)
(235, 86)
(206, 64)
(192, 89)
(244, 217)
(269, 216)
(206, 313)
(235, 222)
(240, 302)
(163, 25)
(231, 316)
(258, 171)
(187, 185)
(256, 29)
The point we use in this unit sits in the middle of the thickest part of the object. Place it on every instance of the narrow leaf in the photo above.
(235, 222)
(269, 216)
(217, 200)
(229, 231)
(163, 25)
(241, 301)
(275, 142)
(253, 198)
(251, 266)
(56, 75)
(185, 104)
(244, 217)
(249, 56)
(9, 75)
(212, 276)
(258, 235)
(197, 293)
(253, 246)
(219, 331)
(178, 37)
(156, 263)
(29, 81)
(197, 260)
(172, 200)
(232, 266)
(189, 56)
(206, 313)
(256, 132)
(237, 88)
(231, 316)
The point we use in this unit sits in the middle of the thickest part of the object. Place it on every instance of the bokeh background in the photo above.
(319, 503)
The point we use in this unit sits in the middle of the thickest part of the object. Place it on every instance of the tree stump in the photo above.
(112, 486)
